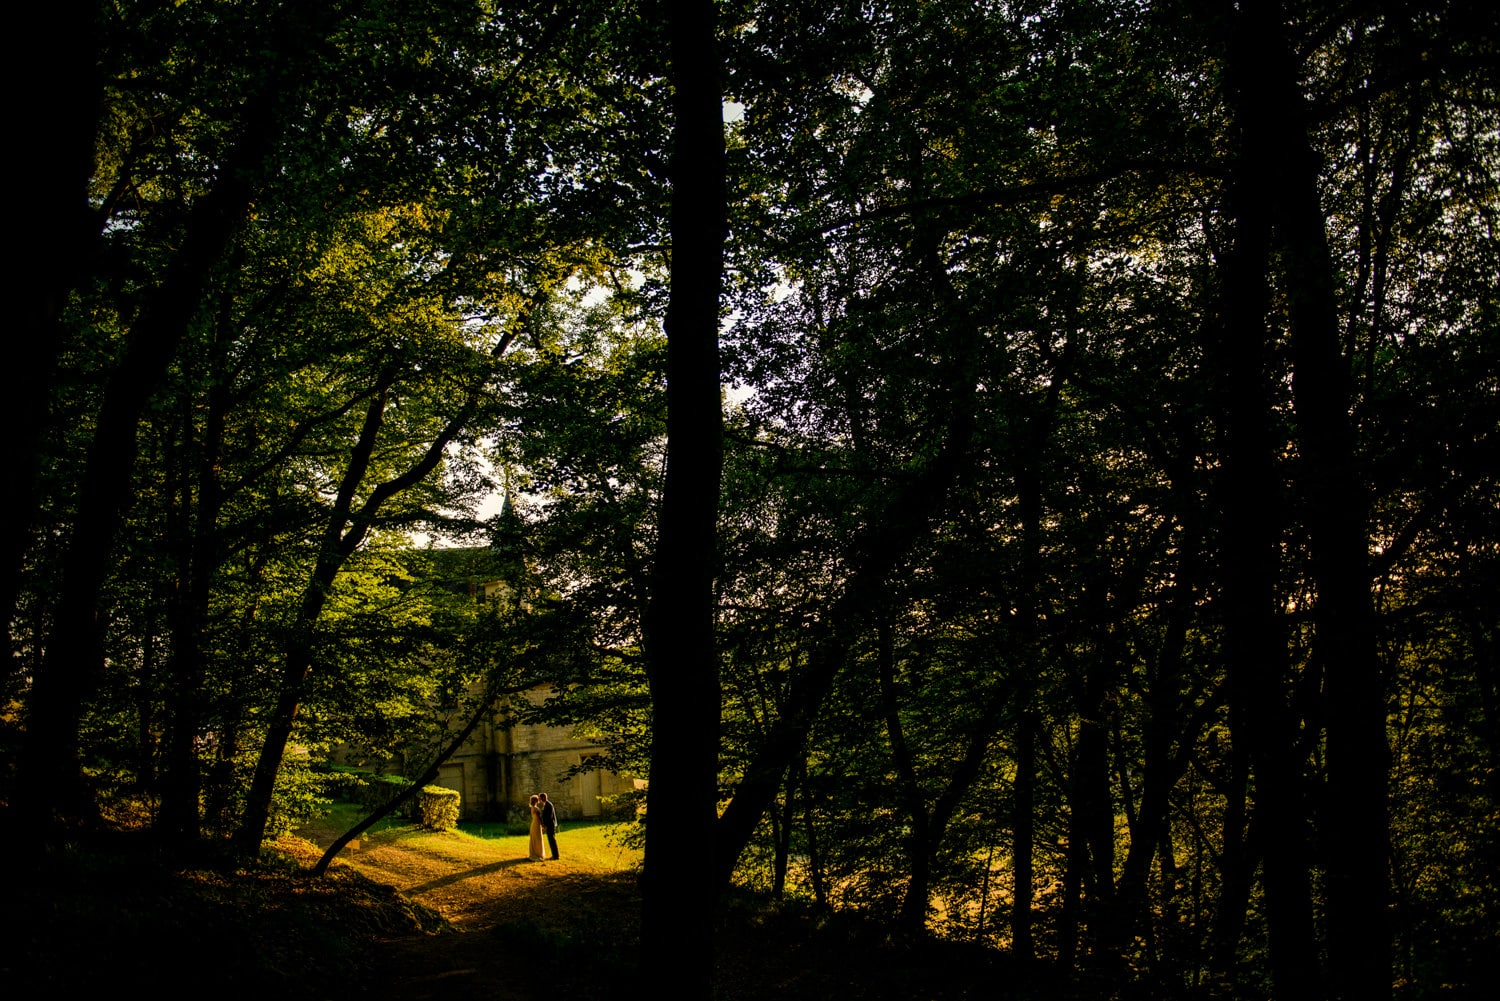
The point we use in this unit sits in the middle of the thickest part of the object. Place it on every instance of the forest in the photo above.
(1023, 472)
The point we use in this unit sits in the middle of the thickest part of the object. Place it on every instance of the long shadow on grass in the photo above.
(459, 877)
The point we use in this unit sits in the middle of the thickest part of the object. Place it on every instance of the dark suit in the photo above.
(549, 825)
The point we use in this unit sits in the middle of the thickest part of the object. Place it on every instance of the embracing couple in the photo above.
(543, 820)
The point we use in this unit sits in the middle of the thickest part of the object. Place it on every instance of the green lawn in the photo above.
(597, 844)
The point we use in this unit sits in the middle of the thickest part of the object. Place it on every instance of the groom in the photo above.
(549, 823)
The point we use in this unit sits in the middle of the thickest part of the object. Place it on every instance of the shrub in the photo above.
(300, 794)
(438, 808)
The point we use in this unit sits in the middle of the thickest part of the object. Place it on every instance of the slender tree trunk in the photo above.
(1094, 823)
(50, 787)
(1029, 498)
(73, 662)
(889, 536)
(919, 842)
(1236, 862)
(680, 884)
(781, 832)
(344, 531)
(1257, 653)
(1076, 861)
(145, 718)
(931, 819)
(180, 816)
(1162, 768)
(55, 222)
(1022, 946)
(814, 852)
(337, 545)
(1354, 815)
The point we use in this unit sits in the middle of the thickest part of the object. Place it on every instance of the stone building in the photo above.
(499, 768)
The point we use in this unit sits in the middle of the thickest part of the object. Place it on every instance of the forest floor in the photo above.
(527, 931)
(533, 931)
(516, 930)
(411, 914)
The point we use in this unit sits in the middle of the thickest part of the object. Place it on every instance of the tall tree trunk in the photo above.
(928, 818)
(1273, 118)
(781, 833)
(1354, 815)
(180, 815)
(1029, 498)
(1236, 862)
(50, 787)
(57, 225)
(919, 841)
(814, 851)
(889, 535)
(1163, 765)
(1094, 824)
(1256, 650)
(680, 882)
(1022, 945)
(53, 220)
(1075, 862)
(73, 663)
(336, 547)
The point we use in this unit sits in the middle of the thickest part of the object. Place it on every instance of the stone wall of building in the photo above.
(498, 770)
(502, 768)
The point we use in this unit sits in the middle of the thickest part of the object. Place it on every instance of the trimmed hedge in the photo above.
(438, 808)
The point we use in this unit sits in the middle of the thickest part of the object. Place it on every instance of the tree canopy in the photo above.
(1023, 472)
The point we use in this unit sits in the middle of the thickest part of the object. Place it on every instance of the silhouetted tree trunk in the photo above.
(51, 218)
(1283, 170)
(51, 782)
(1029, 499)
(928, 817)
(338, 544)
(344, 530)
(50, 787)
(1255, 645)
(1354, 806)
(1075, 860)
(1236, 861)
(814, 851)
(197, 527)
(913, 915)
(1169, 736)
(1023, 946)
(781, 834)
(872, 557)
(680, 885)
(1094, 824)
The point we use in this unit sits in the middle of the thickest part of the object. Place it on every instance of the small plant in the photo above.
(438, 808)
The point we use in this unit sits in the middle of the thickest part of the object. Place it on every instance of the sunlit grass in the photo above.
(591, 844)
(594, 843)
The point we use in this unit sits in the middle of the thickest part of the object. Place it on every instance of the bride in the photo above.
(536, 830)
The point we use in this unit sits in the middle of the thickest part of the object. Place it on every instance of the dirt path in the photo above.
(522, 930)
